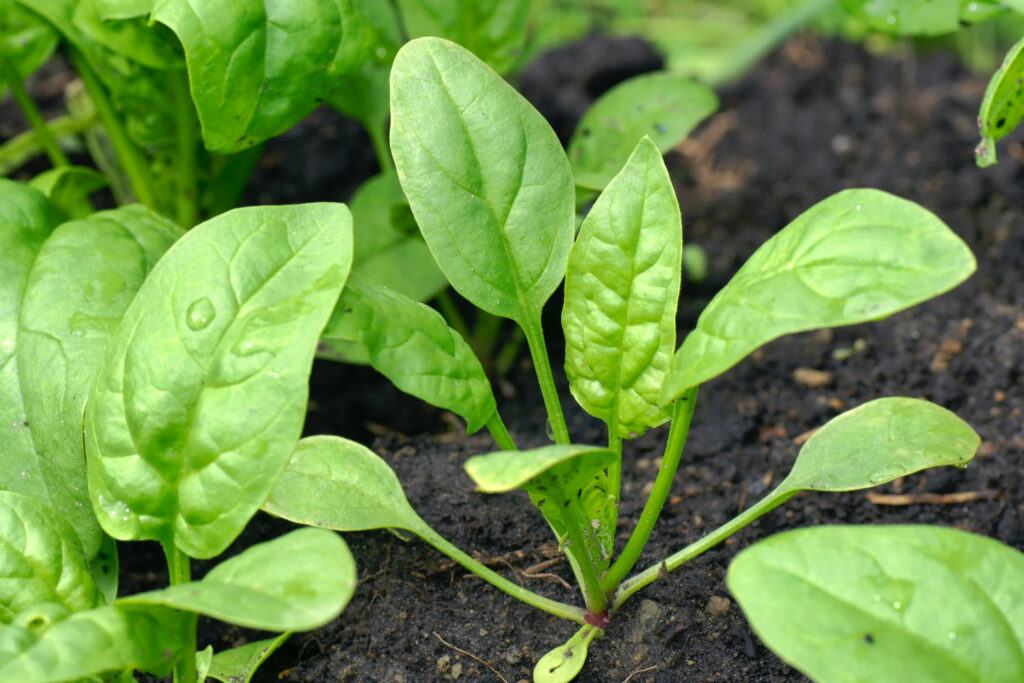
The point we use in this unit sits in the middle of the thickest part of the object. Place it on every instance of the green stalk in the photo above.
(27, 144)
(130, 156)
(500, 433)
(180, 571)
(676, 560)
(682, 414)
(548, 605)
(31, 112)
(542, 366)
(379, 140)
(574, 520)
(186, 141)
(452, 315)
(615, 468)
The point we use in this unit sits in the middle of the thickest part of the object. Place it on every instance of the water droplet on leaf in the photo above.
(200, 314)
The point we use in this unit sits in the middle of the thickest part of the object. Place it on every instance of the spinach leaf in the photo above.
(258, 67)
(67, 186)
(25, 39)
(859, 255)
(238, 664)
(621, 289)
(564, 662)
(297, 582)
(663, 106)
(871, 603)
(1003, 106)
(911, 17)
(202, 393)
(132, 37)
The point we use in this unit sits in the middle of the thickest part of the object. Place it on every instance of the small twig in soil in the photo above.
(470, 654)
(936, 498)
(639, 671)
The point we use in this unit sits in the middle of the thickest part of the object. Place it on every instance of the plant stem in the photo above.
(130, 156)
(180, 571)
(185, 124)
(548, 605)
(681, 416)
(500, 434)
(542, 366)
(615, 468)
(27, 144)
(674, 561)
(452, 315)
(379, 140)
(575, 521)
(46, 139)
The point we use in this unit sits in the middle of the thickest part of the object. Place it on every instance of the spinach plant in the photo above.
(493, 194)
(194, 352)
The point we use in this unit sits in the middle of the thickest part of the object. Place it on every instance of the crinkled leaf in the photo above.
(662, 106)
(879, 441)
(913, 17)
(485, 176)
(564, 662)
(202, 393)
(339, 484)
(238, 664)
(621, 290)
(134, 38)
(412, 345)
(68, 188)
(25, 38)
(493, 30)
(97, 641)
(886, 603)
(1003, 106)
(296, 582)
(258, 67)
(83, 279)
(41, 559)
(859, 255)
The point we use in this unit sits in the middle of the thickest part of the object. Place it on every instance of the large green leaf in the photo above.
(296, 582)
(1003, 106)
(663, 106)
(83, 280)
(239, 664)
(257, 67)
(621, 290)
(412, 345)
(41, 559)
(25, 38)
(202, 394)
(485, 176)
(133, 38)
(96, 641)
(886, 603)
(914, 17)
(859, 255)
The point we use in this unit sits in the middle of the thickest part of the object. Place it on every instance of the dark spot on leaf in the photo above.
(240, 138)
(166, 654)
(586, 132)
(565, 504)
(869, 639)
(541, 501)
(25, 423)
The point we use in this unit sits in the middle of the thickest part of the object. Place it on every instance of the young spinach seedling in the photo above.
(492, 192)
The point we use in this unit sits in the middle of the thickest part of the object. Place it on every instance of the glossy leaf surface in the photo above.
(503, 471)
(296, 582)
(257, 67)
(202, 394)
(41, 559)
(621, 290)
(1003, 106)
(859, 255)
(880, 603)
(662, 106)
(412, 345)
(238, 664)
(485, 176)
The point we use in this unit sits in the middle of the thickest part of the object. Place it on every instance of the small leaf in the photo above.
(886, 603)
(485, 176)
(238, 664)
(26, 39)
(297, 582)
(41, 559)
(880, 441)
(859, 255)
(1003, 106)
(132, 37)
(258, 67)
(339, 484)
(203, 390)
(621, 290)
(412, 345)
(908, 17)
(67, 186)
(503, 471)
(662, 106)
(563, 663)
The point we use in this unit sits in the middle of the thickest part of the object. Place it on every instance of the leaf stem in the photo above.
(500, 433)
(186, 176)
(615, 468)
(45, 136)
(542, 366)
(681, 416)
(452, 315)
(379, 139)
(180, 571)
(559, 609)
(674, 561)
(28, 143)
(575, 521)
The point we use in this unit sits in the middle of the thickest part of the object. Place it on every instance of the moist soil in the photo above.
(813, 119)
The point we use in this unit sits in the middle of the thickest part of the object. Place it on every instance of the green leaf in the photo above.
(339, 484)
(297, 582)
(83, 279)
(258, 67)
(880, 441)
(564, 662)
(859, 255)
(41, 559)
(886, 603)
(68, 186)
(25, 38)
(97, 641)
(504, 471)
(663, 106)
(1003, 106)
(203, 390)
(238, 664)
(412, 345)
(621, 290)
(104, 568)
(485, 176)
(908, 17)
(123, 9)
(493, 30)
(133, 38)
